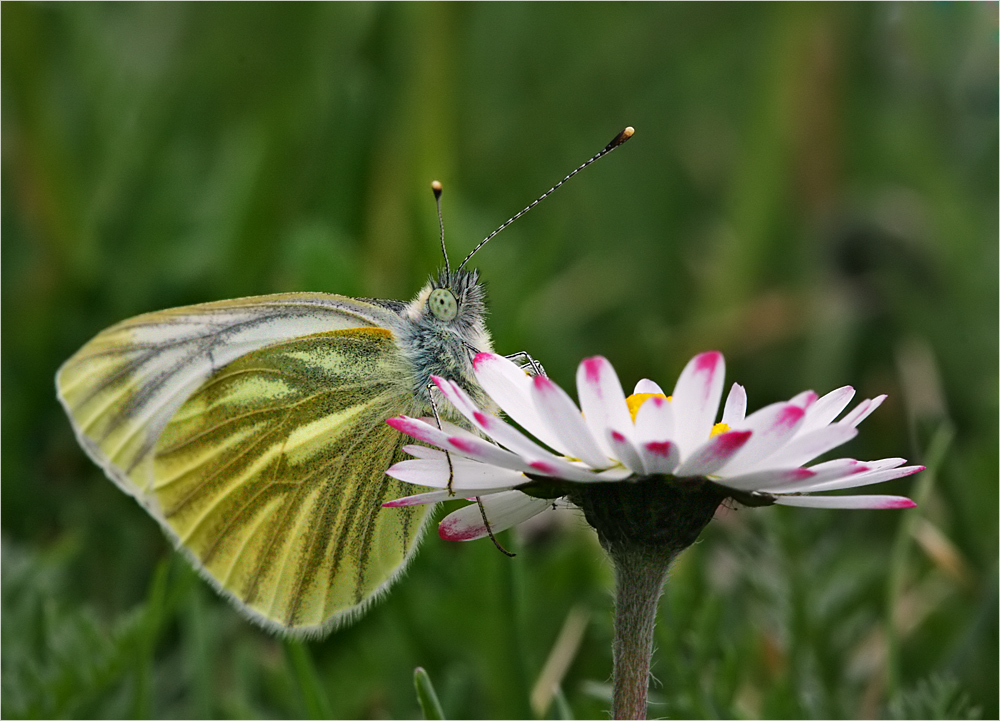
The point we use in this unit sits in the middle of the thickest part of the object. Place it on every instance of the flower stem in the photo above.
(643, 524)
(640, 573)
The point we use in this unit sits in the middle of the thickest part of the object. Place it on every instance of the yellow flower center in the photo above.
(718, 428)
(636, 400)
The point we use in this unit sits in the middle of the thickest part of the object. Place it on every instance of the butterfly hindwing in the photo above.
(272, 476)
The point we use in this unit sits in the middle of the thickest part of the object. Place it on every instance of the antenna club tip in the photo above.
(620, 138)
(436, 187)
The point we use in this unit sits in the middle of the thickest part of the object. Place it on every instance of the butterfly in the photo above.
(253, 430)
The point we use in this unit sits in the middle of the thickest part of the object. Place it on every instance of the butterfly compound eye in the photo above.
(443, 304)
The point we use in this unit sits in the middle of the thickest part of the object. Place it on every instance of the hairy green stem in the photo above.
(639, 577)
(643, 524)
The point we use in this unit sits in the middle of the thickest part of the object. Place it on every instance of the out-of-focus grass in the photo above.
(811, 190)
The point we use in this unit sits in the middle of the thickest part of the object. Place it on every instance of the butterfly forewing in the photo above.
(123, 386)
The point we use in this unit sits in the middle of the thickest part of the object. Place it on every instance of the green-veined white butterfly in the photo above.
(253, 430)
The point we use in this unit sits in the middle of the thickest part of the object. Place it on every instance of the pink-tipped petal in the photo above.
(660, 456)
(603, 401)
(760, 480)
(563, 417)
(803, 448)
(821, 413)
(735, 410)
(854, 502)
(503, 510)
(647, 386)
(501, 432)
(626, 452)
(856, 480)
(527, 450)
(485, 452)
(804, 400)
(420, 430)
(510, 387)
(654, 420)
(714, 453)
(469, 475)
(772, 426)
(696, 400)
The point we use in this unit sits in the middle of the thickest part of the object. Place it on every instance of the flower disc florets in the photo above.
(650, 469)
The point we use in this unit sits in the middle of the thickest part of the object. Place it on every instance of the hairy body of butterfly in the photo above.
(253, 430)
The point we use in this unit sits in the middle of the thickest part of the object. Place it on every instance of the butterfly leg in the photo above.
(447, 455)
(527, 363)
(486, 522)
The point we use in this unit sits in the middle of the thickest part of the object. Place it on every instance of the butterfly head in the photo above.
(454, 301)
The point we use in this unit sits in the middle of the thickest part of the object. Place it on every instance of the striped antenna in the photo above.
(436, 187)
(618, 140)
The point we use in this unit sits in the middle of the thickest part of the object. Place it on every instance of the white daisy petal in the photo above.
(803, 448)
(648, 386)
(696, 399)
(736, 406)
(821, 413)
(874, 502)
(884, 463)
(503, 510)
(503, 433)
(421, 499)
(660, 456)
(804, 399)
(654, 421)
(862, 411)
(420, 430)
(418, 451)
(469, 475)
(816, 475)
(759, 480)
(859, 479)
(483, 451)
(772, 426)
(533, 455)
(714, 454)
(626, 452)
(510, 387)
(562, 415)
(603, 401)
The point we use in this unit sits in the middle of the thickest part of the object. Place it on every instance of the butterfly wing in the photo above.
(254, 431)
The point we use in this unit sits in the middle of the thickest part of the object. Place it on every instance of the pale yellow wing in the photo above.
(122, 387)
(254, 431)
(272, 476)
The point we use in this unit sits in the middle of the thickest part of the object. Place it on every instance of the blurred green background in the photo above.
(811, 190)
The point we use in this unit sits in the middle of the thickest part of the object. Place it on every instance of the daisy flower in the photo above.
(646, 445)
(648, 471)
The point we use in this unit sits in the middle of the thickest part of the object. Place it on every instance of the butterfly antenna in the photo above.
(436, 187)
(618, 140)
